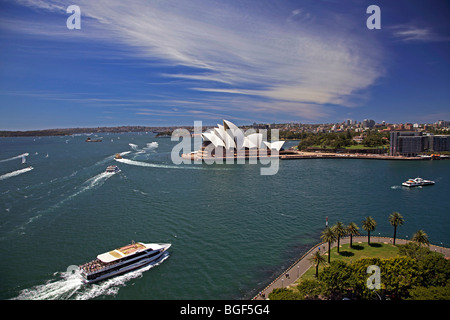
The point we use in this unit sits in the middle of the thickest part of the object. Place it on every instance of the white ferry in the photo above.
(122, 260)
(417, 182)
(112, 169)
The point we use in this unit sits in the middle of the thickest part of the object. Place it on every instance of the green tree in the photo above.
(310, 289)
(284, 294)
(359, 276)
(421, 238)
(336, 278)
(328, 236)
(430, 293)
(317, 259)
(399, 275)
(396, 219)
(434, 269)
(369, 224)
(339, 230)
(352, 230)
(413, 250)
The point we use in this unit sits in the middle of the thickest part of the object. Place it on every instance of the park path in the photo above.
(299, 267)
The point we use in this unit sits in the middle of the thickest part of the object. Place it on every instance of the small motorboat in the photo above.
(112, 169)
(417, 182)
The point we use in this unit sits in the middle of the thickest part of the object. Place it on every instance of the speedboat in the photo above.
(122, 260)
(417, 182)
(112, 169)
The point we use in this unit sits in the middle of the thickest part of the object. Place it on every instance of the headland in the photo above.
(301, 265)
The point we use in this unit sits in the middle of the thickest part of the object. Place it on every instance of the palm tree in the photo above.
(369, 225)
(421, 238)
(396, 219)
(328, 236)
(339, 231)
(352, 230)
(317, 259)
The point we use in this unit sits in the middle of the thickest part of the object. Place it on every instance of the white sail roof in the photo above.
(277, 145)
(215, 140)
(220, 131)
(229, 140)
(231, 125)
(230, 136)
(255, 140)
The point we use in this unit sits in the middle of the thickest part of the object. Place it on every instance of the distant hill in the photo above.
(70, 131)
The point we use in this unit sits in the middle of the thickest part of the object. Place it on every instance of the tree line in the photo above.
(337, 140)
(339, 230)
(417, 273)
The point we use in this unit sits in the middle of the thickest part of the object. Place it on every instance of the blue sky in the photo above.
(163, 63)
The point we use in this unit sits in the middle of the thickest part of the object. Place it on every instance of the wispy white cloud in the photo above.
(413, 33)
(233, 49)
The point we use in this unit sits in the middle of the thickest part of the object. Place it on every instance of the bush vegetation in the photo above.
(416, 273)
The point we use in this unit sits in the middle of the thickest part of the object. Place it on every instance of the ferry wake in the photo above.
(122, 260)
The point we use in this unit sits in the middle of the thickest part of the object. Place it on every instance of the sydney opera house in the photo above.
(227, 141)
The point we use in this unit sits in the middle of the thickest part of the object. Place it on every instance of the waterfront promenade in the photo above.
(299, 267)
(332, 155)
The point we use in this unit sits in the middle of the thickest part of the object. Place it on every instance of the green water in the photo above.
(232, 230)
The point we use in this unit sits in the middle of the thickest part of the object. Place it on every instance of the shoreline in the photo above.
(302, 264)
(332, 155)
(298, 155)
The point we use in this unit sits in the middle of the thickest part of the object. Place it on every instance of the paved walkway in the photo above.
(298, 268)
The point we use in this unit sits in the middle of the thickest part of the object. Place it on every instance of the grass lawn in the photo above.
(359, 250)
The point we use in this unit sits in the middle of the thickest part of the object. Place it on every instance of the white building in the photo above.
(228, 141)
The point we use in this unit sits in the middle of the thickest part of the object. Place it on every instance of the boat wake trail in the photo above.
(15, 173)
(16, 157)
(70, 286)
(151, 145)
(153, 165)
(61, 289)
(93, 182)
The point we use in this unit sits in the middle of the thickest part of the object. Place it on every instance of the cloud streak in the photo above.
(412, 33)
(262, 58)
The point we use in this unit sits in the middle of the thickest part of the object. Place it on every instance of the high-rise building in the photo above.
(442, 124)
(368, 123)
(440, 143)
(412, 143)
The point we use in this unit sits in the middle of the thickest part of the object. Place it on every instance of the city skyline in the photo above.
(169, 63)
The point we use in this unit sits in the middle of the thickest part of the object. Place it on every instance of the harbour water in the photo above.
(232, 230)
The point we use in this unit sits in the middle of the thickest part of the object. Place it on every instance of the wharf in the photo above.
(295, 155)
(329, 155)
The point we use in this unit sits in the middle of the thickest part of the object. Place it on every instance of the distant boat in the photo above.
(91, 140)
(112, 169)
(24, 159)
(417, 182)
